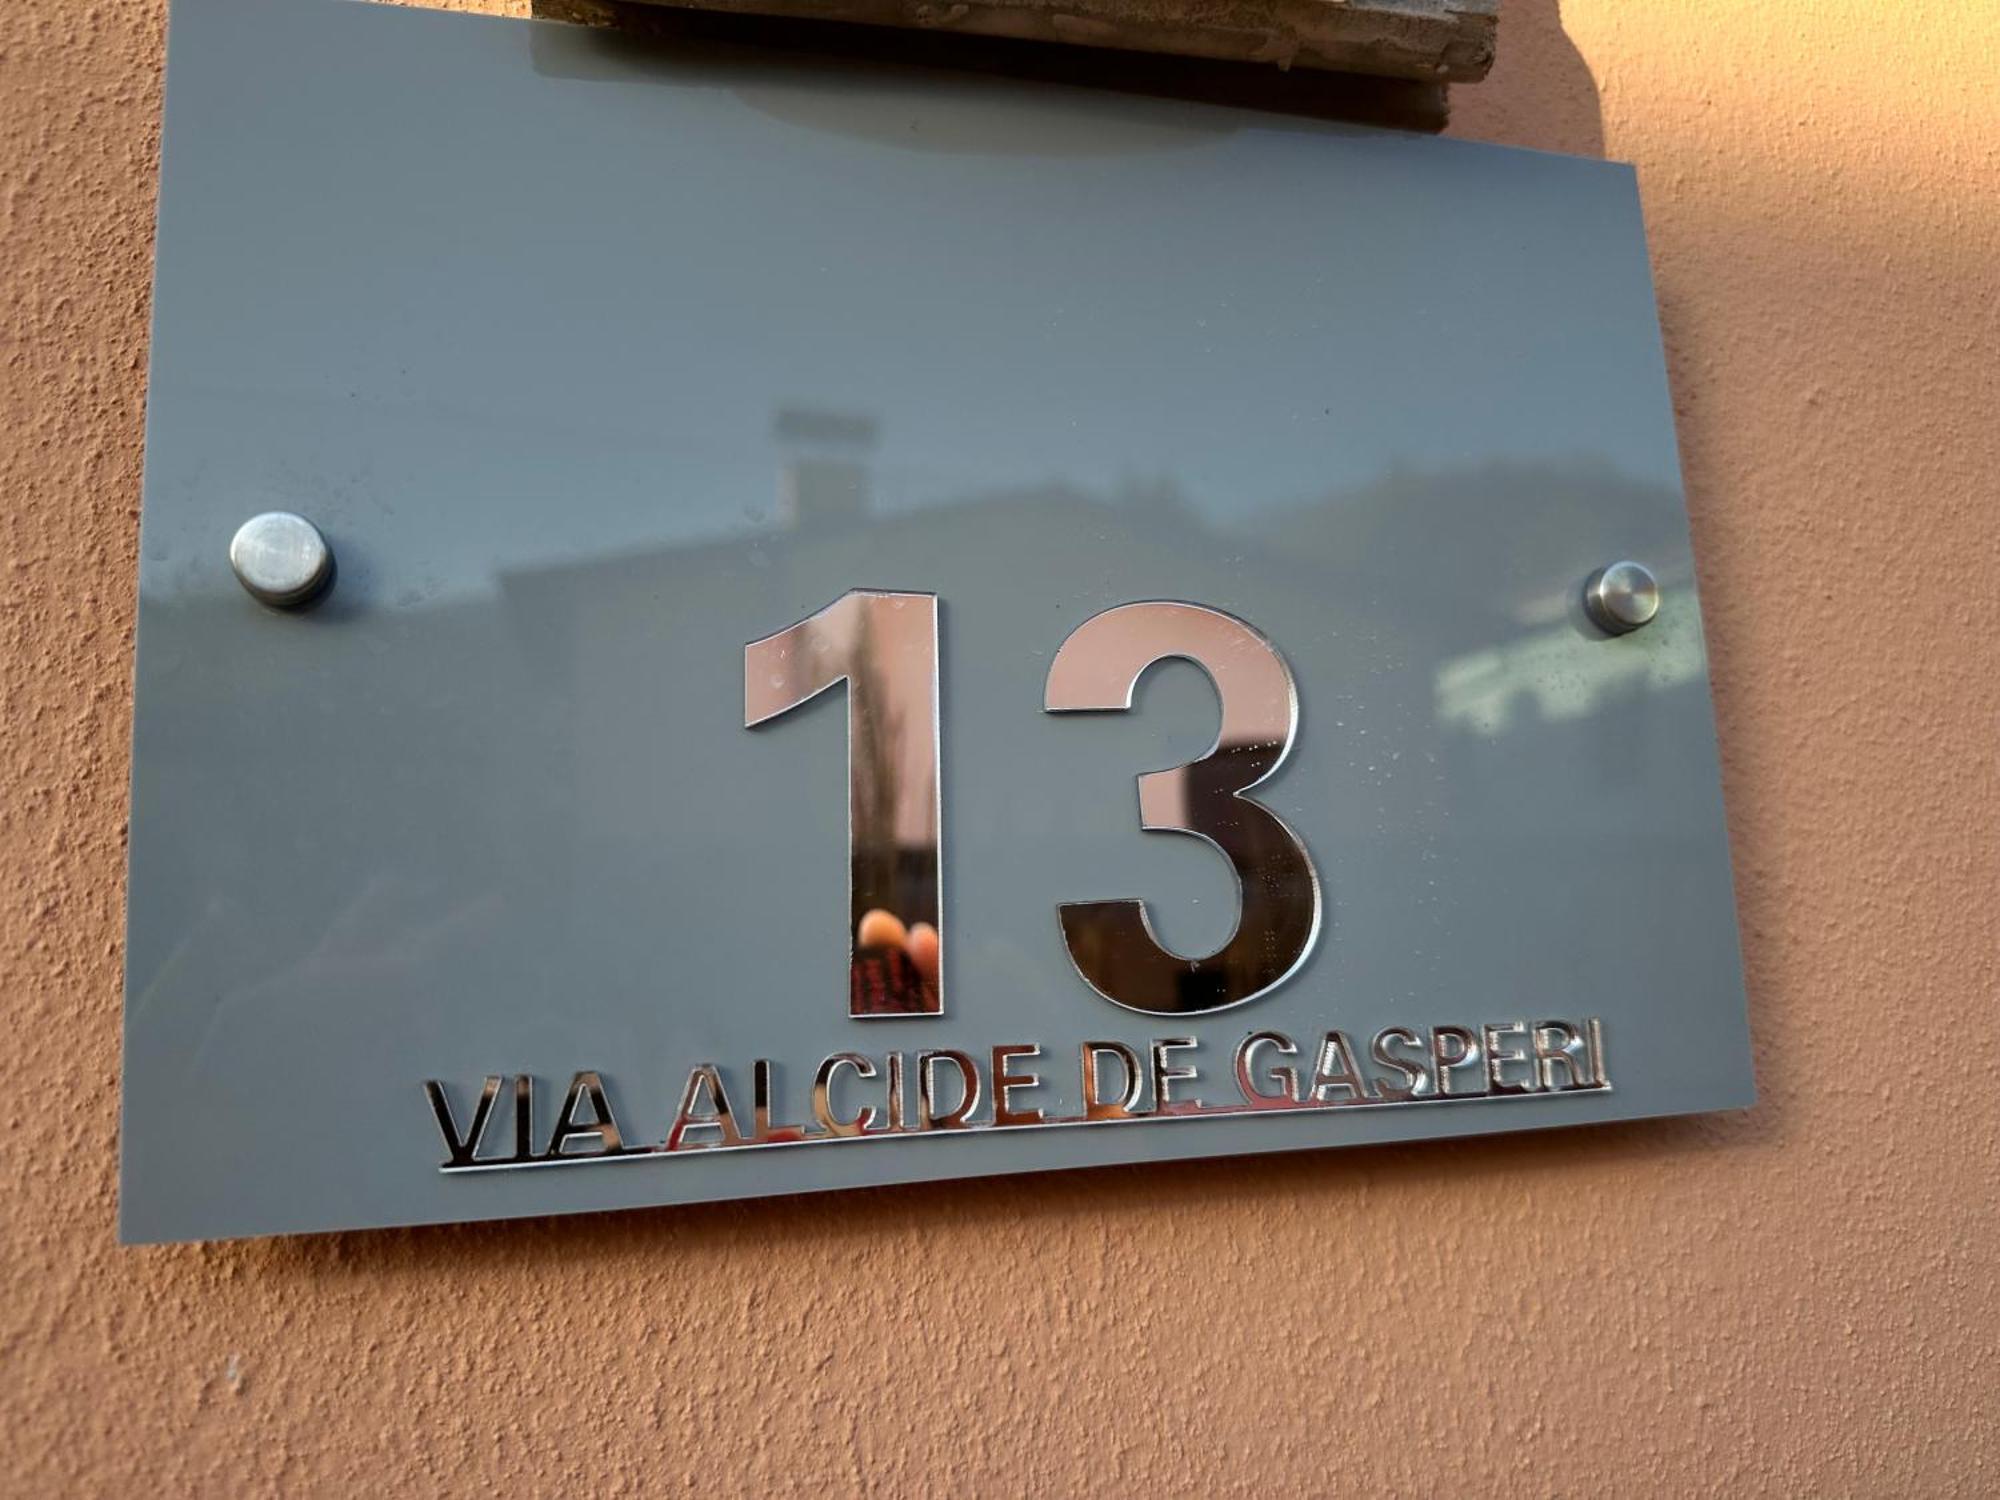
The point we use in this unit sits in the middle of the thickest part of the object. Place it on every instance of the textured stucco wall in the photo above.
(1806, 1298)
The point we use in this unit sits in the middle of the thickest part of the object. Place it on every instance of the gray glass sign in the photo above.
(717, 624)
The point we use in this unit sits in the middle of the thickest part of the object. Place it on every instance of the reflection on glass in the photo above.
(1112, 943)
(1542, 678)
(884, 646)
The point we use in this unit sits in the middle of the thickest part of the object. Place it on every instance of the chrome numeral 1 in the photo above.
(1112, 943)
(884, 646)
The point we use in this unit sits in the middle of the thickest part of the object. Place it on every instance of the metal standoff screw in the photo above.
(281, 559)
(1621, 598)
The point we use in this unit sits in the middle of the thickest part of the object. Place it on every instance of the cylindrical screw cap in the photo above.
(1622, 597)
(281, 559)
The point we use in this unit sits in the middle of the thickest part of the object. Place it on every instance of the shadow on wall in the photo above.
(1540, 92)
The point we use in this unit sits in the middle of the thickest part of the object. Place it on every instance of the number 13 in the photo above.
(884, 646)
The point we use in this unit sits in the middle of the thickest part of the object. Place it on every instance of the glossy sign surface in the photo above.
(471, 893)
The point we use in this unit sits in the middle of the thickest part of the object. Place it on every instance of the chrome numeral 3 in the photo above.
(1112, 943)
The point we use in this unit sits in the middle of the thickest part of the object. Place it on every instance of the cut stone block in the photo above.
(1431, 41)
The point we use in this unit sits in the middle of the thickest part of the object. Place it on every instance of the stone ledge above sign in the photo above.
(1429, 41)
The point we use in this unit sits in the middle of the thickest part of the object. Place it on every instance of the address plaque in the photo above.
(965, 621)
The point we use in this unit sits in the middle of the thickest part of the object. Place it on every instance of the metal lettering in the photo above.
(1454, 1064)
(764, 1124)
(461, 1152)
(896, 1091)
(1095, 1105)
(524, 1118)
(1112, 943)
(1467, 1054)
(1337, 1069)
(1165, 1076)
(602, 1125)
(928, 1116)
(1416, 1079)
(1005, 1081)
(1287, 1077)
(1556, 1046)
(705, 1106)
(823, 1095)
(1499, 1055)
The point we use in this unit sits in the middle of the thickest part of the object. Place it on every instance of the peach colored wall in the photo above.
(1804, 1298)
